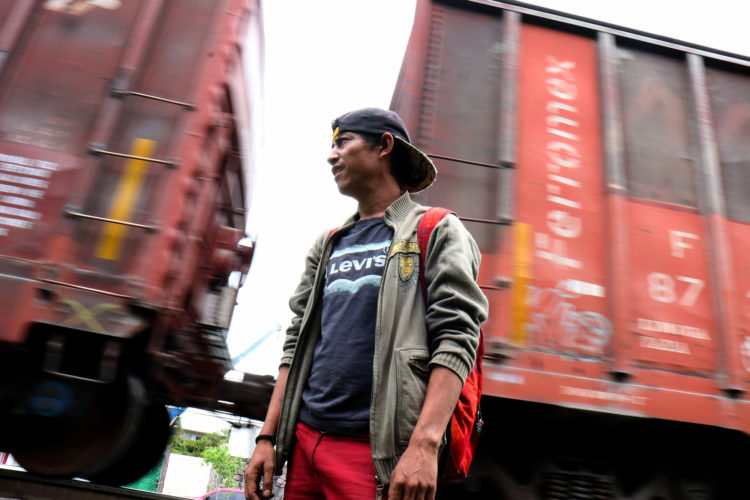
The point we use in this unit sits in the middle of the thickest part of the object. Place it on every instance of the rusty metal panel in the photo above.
(672, 320)
(148, 83)
(658, 148)
(730, 106)
(147, 127)
(672, 317)
(614, 172)
(740, 237)
(559, 195)
(451, 98)
(54, 82)
(408, 100)
(713, 204)
(62, 86)
(5, 8)
(13, 18)
(459, 117)
(60, 76)
(730, 103)
(464, 53)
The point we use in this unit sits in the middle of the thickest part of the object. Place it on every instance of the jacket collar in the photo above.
(396, 211)
(399, 209)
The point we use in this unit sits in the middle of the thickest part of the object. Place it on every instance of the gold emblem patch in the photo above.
(404, 247)
(407, 252)
(406, 266)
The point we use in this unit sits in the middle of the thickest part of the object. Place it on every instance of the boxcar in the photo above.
(123, 173)
(604, 174)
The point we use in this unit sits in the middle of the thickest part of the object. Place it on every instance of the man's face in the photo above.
(356, 164)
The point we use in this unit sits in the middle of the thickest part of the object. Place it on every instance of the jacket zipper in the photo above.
(377, 326)
(379, 488)
(288, 429)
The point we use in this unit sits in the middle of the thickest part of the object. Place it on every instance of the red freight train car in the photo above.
(604, 174)
(122, 198)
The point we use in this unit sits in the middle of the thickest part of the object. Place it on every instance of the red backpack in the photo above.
(466, 421)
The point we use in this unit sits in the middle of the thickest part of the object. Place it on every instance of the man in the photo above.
(370, 374)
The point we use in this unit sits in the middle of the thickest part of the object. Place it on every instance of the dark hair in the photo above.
(398, 157)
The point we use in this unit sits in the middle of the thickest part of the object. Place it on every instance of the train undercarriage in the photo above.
(80, 404)
(537, 451)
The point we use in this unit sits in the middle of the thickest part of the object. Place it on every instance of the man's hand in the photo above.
(415, 475)
(262, 462)
(260, 467)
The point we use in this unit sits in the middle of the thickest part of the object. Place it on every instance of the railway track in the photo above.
(17, 485)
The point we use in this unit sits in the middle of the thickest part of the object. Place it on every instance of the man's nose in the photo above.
(333, 156)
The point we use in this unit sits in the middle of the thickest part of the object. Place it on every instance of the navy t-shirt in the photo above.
(337, 395)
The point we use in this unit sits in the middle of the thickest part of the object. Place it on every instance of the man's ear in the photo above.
(386, 144)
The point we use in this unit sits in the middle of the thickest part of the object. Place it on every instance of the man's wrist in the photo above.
(427, 441)
(266, 437)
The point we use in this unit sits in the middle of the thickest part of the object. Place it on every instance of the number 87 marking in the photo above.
(661, 287)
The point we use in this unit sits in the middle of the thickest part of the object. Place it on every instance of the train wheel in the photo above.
(63, 444)
(139, 453)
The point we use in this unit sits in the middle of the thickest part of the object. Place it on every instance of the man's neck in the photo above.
(376, 204)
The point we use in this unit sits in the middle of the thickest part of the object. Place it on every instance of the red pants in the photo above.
(325, 466)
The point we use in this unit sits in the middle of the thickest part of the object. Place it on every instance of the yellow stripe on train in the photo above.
(125, 199)
(522, 234)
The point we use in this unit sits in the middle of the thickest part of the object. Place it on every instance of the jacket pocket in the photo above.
(412, 372)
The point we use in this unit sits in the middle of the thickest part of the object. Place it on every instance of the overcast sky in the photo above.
(323, 59)
(328, 57)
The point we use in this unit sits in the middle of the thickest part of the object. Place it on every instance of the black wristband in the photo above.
(267, 437)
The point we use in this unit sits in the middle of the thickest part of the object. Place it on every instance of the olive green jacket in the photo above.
(409, 338)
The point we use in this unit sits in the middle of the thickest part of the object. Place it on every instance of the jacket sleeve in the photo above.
(299, 302)
(455, 305)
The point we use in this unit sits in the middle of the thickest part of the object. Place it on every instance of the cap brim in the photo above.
(423, 168)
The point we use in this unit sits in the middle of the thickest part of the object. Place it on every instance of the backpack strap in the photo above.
(427, 223)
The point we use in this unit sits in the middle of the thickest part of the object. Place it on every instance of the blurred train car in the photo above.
(124, 168)
(605, 174)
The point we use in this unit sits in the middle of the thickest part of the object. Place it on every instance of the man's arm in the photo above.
(455, 308)
(262, 462)
(415, 475)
